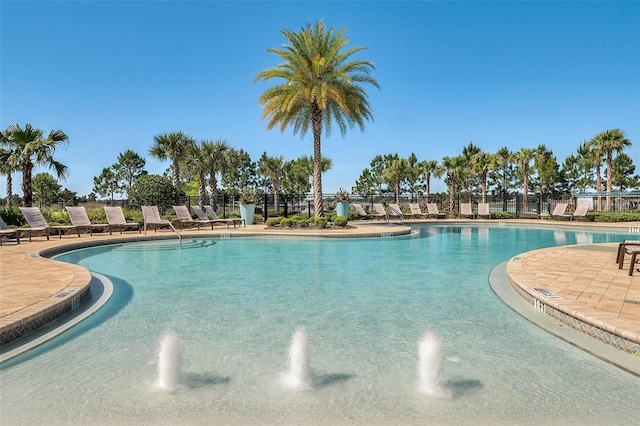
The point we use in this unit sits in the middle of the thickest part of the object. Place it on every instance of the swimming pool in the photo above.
(234, 304)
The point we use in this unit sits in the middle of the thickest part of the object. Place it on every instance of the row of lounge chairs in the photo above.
(432, 211)
(80, 222)
(559, 212)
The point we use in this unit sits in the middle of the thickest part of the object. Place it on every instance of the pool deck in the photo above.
(580, 285)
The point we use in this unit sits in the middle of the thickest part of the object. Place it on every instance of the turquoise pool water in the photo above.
(234, 304)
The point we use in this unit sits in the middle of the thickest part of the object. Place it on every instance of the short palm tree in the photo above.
(8, 167)
(215, 157)
(274, 168)
(428, 168)
(322, 84)
(174, 147)
(454, 168)
(29, 148)
(523, 159)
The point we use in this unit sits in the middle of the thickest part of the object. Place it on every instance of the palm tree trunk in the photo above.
(525, 191)
(484, 187)
(27, 190)
(609, 178)
(213, 190)
(201, 189)
(428, 188)
(9, 189)
(175, 179)
(599, 186)
(317, 161)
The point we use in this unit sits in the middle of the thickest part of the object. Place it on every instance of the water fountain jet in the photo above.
(430, 380)
(298, 376)
(169, 362)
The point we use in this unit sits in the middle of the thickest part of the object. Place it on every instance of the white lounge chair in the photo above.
(116, 220)
(558, 211)
(152, 219)
(80, 219)
(432, 208)
(581, 210)
(37, 222)
(415, 210)
(483, 210)
(466, 210)
(233, 220)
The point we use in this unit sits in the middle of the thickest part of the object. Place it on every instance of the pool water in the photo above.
(364, 303)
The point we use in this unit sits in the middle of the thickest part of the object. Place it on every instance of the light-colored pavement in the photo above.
(581, 284)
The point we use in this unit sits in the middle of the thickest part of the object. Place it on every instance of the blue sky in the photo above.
(113, 74)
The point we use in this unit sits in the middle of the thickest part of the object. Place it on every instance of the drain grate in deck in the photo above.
(635, 302)
(547, 293)
(66, 292)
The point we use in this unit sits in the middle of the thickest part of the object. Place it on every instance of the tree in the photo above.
(106, 183)
(241, 171)
(394, 173)
(453, 167)
(322, 85)
(622, 174)
(547, 169)
(130, 165)
(196, 166)
(609, 142)
(29, 149)
(173, 147)
(45, 189)
(152, 190)
(215, 155)
(273, 169)
(8, 166)
(480, 164)
(523, 159)
(428, 168)
(501, 173)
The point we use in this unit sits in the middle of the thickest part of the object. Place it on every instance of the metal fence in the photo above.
(535, 204)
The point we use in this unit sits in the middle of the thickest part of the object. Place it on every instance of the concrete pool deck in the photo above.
(579, 285)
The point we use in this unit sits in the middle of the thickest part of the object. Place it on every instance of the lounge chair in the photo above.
(558, 211)
(362, 213)
(622, 250)
(38, 223)
(432, 208)
(116, 220)
(483, 210)
(415, 210)
(381, 212)
(185, 219)
(466, 210)
(395, 210)
(80, 219)
(6, 232)
(153, 220)
(234, 220)
(581, 210)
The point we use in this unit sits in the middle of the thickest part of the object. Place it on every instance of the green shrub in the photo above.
(321, 222)
(258, 218)
(301, 223)
(503, 215)
(353, 215)
(287, 223)
(152, 190)
(97, 215)
(340, 221)
(614, 216)
(274, 221)
(12, 216)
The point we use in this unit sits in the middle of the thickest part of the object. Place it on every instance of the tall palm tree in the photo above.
(322, 85)
(214, 155)
(172, 146)
(30, 148)
(608, 142)
(523, 159)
